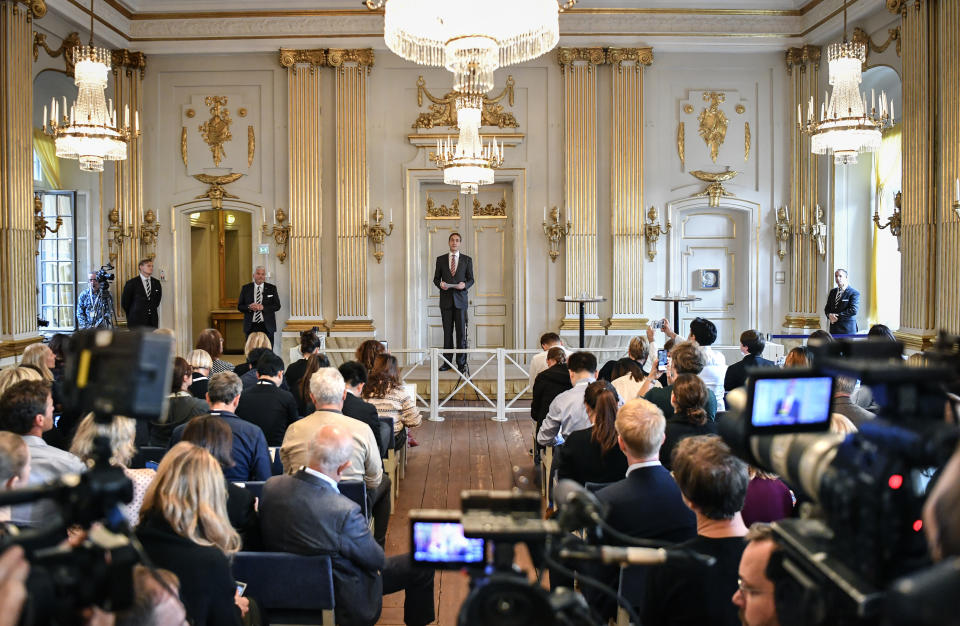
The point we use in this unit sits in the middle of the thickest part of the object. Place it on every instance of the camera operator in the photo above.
(755, 592)
(95, 304)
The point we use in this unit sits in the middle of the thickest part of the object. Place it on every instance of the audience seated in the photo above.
(567, 412)
(310, 344)
(368, 351)
(327, 390)
(686, 357)
(769, 499)
(841, 424)
(714, 484)
(200, 362)
(302, 391)
(212, 341)
(184, 528)
(638, 351)
(249, 448)
(265, 404)
(214, 435)
(305, 514)
(755, 595)
(703, 333)
(120, 433)
(628, 378)
(10, 376)
(550, 383)
(250, 378)
(26, 409)
(14, 466)
(385, 391)
(355, 377)
(688, 399)
(255, 340)
(843, 387)
(40, 358)
(539, 361)
(819, 337)
(156, 599)
(752, 344)
(797, 357)
(591, 454)
(881, 332)
(181, 405)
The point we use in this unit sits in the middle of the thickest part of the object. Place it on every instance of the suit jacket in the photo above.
(271, 304)
(367, 413)
(139, 310)
(846, 311)
(454, 298)
(270, 408)
(736, 375)
(856, 414)
(303, 514)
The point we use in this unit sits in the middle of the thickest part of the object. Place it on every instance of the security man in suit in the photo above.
(453, 277)
(842, 305)
(259, 303)
(141, 296)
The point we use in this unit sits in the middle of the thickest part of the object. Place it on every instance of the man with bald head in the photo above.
(304, 513)
(259, 302)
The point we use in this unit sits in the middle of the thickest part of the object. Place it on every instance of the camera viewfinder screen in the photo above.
(784, 402)
(443, 542)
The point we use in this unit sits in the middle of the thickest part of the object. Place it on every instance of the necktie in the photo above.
(453, 265)
(836, 301)
(258, 316)
(146, 287)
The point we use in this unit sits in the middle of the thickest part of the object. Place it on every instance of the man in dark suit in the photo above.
(259, 303)
(752, 344)
(140, 298)
(304, 513)
(453, 277)
(355, 377)
(265, 404)
(842, 305)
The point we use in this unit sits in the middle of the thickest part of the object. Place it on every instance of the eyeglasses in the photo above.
(750, 591)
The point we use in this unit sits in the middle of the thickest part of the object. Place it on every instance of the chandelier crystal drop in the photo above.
(469, 163)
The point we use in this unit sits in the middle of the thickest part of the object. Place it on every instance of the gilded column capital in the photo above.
(363, 57)
(593, 56)
(314, 58)
(640, 56)
(38, 8)
(128, 59)
(897, 6)
(801, 57)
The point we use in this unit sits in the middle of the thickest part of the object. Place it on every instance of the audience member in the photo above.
(539, 361)
(255, 340)
(26, 409)
(14, 466)
(880, 332)
(752, 344)
(628, 378)
(120, 434)
(941, 512)
(567, 412)
(184, 528)
(302, 391)
(688, 399)
(310, 344)
(10, 376)
(40, 357)
(638, 351)
(550, 383)
(591, 454)
(686, 357)
(155, 602)
(755, 597)
(385, 390)
(841, 424)
(843, 387)
(768, 498)
(58, 344)
(327, 390)
(211, 340)
(368, 351)
(819, 337)
(304, 513)
(251, 377)
(14, 569)
(214, 435)
(714, 484)
(201, 363)
(797, 357)
(355, 377)
(703, 333)
(249, 448)
(181, 405)
(265, 404)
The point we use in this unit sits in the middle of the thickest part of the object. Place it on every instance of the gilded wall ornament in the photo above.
(216, 130)
(861, 36)
(443, 111)
(818, 232)
(740, 109)
(216, 193)
(40, 225)
(802, 56)
(688, 108)
(190, 113)
(116, 233)
(896, 220)
(713, 123)
(280, 233)
(130, 60)
(377, 233)
(681, 144)
(783, 230)
(251, 145)
(652, 231)
(715, 189)
(363, 57)
(566, 57)
(746, 141)
(38, 8)
(314, 58)
(149, 232)
(183, 144)
(67, 48)
(490, 210)
(555, 231)
(640, 56)
(443, 212)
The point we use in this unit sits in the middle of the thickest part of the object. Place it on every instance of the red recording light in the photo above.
(917, 525)
(896, 481)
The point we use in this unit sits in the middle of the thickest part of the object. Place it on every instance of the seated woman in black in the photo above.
(689, 400)
(302, 391)
(549, 384)
(592, 455)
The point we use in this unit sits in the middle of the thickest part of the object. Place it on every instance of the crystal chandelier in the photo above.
(88, 130)
(469, 164)
(847, 126)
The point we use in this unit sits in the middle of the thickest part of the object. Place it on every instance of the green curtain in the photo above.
(47, 153)
(886, 163)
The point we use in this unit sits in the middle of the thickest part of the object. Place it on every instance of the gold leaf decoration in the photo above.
(681, 145)
(183, 144)
(443, 111)
(251, 145)
(713, 123)
(490, 210)
(443, 212)
(746, 141)
(216, 130)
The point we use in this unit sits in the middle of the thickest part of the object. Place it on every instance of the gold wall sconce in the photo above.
(280, 233)
(116, 233)
(149, 232)
(652, 231)
(783, 230)
(377, 233)
(894, 222)
(555, 231)
(40, 225)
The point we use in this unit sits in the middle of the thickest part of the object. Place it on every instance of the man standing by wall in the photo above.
(95, 305)
(842, 305)
(259, 303)
(453, 277)
(141, 298)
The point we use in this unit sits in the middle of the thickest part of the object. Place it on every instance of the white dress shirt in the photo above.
(323, 477)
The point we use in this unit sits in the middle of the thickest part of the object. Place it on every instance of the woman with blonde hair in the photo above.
(385, 391)
(200, 363)
(40, 357)
(120, 433)
(10, 376)
(212, 341)
(184, 528)
(255, 340)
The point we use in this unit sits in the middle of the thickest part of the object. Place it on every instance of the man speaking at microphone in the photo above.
(453, 277)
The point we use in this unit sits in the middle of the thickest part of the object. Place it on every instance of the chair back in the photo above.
(147, 453)
(356, 490)
(286, 582)
(253, 486)
(385, 434)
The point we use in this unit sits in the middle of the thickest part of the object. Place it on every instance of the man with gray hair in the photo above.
(304, 513)
(843, 387)
(250, 454)
(327, 389)
(259, 303)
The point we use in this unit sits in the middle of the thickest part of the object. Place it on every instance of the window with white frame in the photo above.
(57, 262)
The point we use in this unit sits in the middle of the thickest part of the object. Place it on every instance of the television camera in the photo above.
(104, 276)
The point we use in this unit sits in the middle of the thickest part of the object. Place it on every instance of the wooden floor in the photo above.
(467, 451)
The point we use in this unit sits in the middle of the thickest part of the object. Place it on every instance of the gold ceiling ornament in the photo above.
(377, 233)
(652, 230)
(681, 144)
(715, 189)
(216, 193)
(251, 145)
(40, 225)
(363, 57)
(491, 210)
(314, 58)
(801, 56)
(746, 141)
(566, 57)
(280, 233)
(896, 221)
(861, 36)
(183, 144)
(38, 8)
(443, 212)
(130, 60)
(216, 130)
(639, 56)
(713, 122)
(149, 232)
(67, 48)
(783, 230)
(443, 111)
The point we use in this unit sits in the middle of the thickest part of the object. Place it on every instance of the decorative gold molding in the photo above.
(216, 130)
(116, 233)
(861, 36)
(242, 112)
(715, 189)
(443, 111)
(897, 6)
(554, 232)
(280, 233)
(15, 348)
(67, 47)
(363, 57)
(915, 341)
(592, 56)
(377, 233)
(297, 326)
(746, 141)
(40, 225)
(149, 232)
(783, 230)
(316, 57)
(640, 56)
(183, 142)
(801, 57)
(498, 210)
(627, 323)
(443, 212)
(251, 145)
(818, 232)
(801, 321)
(652, 230)
(216, 193)
(38, 8)
(713, 122)
(740, 109)
(129, 60)
(688, 108)
(573, 323)
(352, 326)
(190, 113)
(681, 144)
